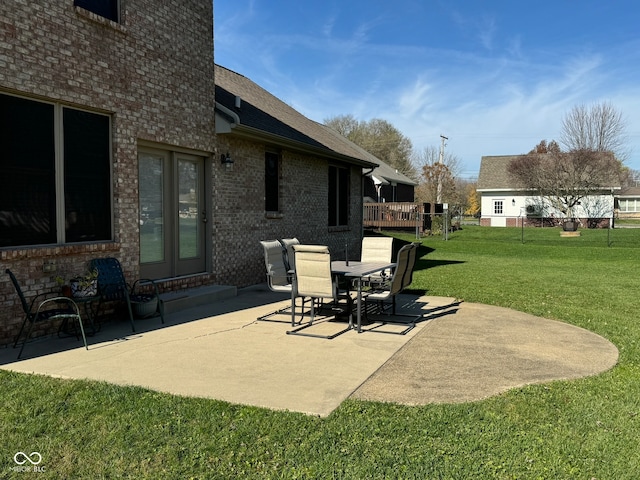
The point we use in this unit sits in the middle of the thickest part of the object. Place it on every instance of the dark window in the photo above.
(33, 211)
(27, 182)
(87, 193)
(271, 182)
(338, 196)
(104, 8)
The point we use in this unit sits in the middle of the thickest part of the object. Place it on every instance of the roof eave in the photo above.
(246, 132)
(510, 189)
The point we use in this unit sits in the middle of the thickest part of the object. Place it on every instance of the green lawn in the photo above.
(580, 429)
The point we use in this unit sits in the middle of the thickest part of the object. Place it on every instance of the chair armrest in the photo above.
(142, 281)
(59, 300)
(44, 297)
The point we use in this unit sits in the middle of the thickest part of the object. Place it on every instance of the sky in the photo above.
(495, 77)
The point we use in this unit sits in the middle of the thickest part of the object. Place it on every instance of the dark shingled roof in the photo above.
(262, 113)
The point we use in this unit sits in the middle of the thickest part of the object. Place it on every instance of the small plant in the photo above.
(87, 279)
(85, 285)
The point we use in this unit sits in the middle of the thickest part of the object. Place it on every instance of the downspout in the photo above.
(231, 113)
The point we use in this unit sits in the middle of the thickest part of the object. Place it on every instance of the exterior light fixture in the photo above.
(513, 202)
(226, 159)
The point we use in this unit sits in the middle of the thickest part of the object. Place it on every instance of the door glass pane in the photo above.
(151, 178)
(189, 211)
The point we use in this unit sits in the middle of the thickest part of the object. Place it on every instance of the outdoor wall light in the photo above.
(513, 202)
(226, 159)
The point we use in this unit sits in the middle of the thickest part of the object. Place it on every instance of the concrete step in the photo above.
(194, 297)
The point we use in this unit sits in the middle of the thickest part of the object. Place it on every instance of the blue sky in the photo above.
(495, 77)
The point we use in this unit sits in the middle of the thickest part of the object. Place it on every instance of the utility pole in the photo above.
(442, 145)
(439, 191)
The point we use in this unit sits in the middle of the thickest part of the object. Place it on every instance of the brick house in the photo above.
(301, 179)
(108, 120)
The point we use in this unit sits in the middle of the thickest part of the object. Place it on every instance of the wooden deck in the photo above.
(393, 215)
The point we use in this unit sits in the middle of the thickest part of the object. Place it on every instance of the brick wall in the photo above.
(239, 220)
(152, 71)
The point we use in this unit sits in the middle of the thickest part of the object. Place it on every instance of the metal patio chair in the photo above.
(377, 249)
(43, 309)
(278, 276)
(113, 287)
(401, 279)
(313, 279)
(287, 253)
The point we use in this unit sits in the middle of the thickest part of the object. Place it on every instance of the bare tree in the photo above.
(629, 178)
(591, 161)
(563, 179)
(598, 128)
(437, 181)
(379, 138)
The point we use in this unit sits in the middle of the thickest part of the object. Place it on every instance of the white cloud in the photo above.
(502, 98)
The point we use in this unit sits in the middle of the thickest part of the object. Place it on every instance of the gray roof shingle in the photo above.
(494, 173)
(261, 112)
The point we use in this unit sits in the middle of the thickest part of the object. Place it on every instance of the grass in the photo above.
(579, 429)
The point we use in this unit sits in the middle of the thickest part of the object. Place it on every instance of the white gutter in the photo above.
(231, 113)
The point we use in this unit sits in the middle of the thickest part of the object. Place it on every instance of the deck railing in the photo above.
(393, 215)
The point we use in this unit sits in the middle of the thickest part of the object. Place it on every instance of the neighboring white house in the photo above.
(628, 203)
(505, 203)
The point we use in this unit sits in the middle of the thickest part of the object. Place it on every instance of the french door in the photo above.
(172, 214)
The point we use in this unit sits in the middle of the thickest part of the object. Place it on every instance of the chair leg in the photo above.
(312, 317)
(161, 309)
(293, 311)
(410, 324)
(26, 338)
(20, 333)
(133, 326)
(283, 311)
(84, 338)
(291, 308)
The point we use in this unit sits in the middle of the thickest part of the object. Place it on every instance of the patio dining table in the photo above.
(357, 271)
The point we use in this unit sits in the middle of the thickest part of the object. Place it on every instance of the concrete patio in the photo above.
(460, 352)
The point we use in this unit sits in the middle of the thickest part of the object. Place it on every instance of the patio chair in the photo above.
(377, 249)
(411, 264)
(401, 279)
(278, 276)
(313, 279)
(287, 252)
(113, 287)
(43, 309)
